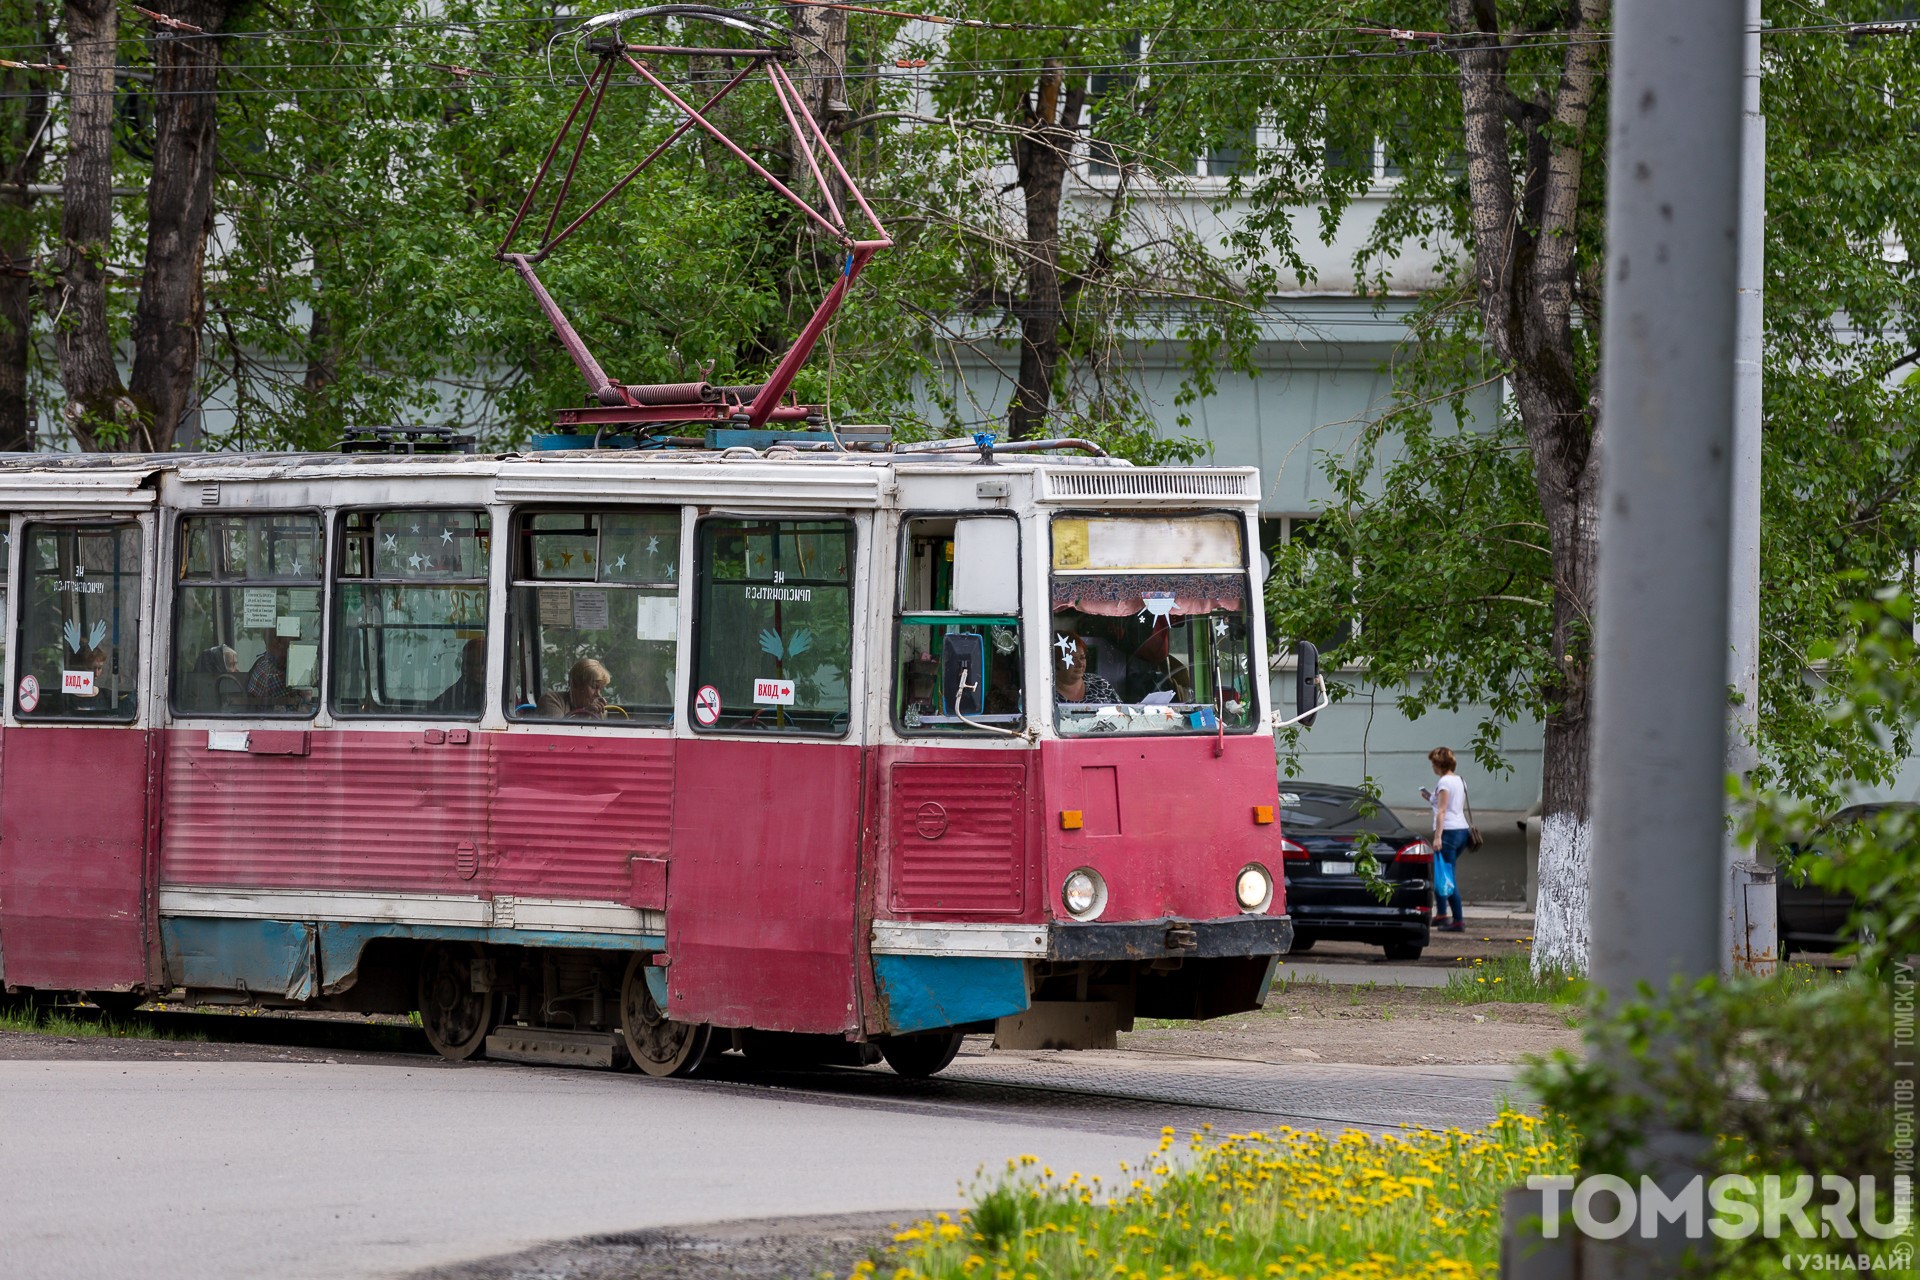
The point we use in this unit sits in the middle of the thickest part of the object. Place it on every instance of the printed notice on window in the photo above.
(658, 617)
(589, 610)
(556, 607)
(259, 607)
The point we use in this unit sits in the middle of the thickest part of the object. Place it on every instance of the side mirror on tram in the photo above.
(1306, 682)
(963, 654)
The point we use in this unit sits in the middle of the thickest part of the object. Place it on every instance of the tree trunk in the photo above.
(820, 75)
(172, 306)
(98, 411)
(1042, 155)
(23, 114)
(1525, 227)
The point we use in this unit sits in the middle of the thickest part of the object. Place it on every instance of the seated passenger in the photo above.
(465, 696)
(217, 659)
(267, 678)
(1071, 680)
(587, 688)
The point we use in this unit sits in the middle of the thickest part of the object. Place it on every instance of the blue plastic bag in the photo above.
(1442, 876)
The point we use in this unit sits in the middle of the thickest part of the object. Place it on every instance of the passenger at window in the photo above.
(587, 689)
(217, 660)
(466, 695)
(267, 678)
(1072, 682)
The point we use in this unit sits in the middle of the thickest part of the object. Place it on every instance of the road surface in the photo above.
(209, 1170)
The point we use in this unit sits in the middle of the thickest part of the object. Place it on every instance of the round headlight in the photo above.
(1254, 888)
(1084, 894)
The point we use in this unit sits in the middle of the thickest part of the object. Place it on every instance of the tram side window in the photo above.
(958, 648)
(80, 623)
(247, 616)
(410, 635)
(774, 642)
(594, 615)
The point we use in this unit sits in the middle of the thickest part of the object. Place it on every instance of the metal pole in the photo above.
(1743, 605)
(1660, 718)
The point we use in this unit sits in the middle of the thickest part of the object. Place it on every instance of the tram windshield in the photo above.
(1150, 625)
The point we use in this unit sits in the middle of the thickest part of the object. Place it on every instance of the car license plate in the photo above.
(1336, 868)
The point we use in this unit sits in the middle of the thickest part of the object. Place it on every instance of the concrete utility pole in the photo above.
(1660, 721)
(1660, 724)
(1743, 617)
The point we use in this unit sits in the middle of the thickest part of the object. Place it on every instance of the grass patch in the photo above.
(1284, 1206)
(1511, 979)
(77, 1025)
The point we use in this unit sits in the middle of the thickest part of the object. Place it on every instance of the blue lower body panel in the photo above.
(924, 993)
(297, 960)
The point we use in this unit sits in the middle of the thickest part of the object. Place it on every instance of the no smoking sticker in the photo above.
(706, 705)
(29, 693)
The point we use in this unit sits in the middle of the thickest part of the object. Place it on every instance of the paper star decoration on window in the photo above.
(413, 562)
(653, 546)
(392, 543)
(1065, 645)
(446, 535)
(1220, 626)
(619, 562)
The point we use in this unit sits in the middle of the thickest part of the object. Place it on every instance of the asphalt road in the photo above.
(212, 1170)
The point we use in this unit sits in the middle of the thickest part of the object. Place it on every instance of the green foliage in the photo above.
(1420, 1205)
(1512, 980)
(1781, 1076)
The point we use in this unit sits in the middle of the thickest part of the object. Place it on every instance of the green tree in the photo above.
(1467, 548)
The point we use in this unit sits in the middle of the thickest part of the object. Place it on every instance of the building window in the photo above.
(247, 616)
(594, 616)
(80, 624)
(411, 617)
(773, 649)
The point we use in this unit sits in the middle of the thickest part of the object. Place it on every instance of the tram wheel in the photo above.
(919, 1056)
(657, 1044)
(455, 1017)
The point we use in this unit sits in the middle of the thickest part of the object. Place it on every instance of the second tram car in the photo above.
(608, 755)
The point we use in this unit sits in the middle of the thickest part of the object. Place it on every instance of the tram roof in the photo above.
(854, 478)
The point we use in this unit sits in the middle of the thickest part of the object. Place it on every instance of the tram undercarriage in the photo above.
(595, 1007)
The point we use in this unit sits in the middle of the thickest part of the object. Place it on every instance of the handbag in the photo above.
(1474, 838)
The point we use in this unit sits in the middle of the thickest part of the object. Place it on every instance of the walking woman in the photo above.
(1450, 826)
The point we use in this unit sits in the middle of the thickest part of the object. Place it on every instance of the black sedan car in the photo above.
(1813, 917)
(1323, 830)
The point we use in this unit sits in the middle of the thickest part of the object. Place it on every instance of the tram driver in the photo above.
(1072, 682)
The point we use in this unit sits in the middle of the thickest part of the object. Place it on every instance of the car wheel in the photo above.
(1402, 950)
(1303, 942)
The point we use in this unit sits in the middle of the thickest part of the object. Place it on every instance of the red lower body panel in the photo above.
(73, 840)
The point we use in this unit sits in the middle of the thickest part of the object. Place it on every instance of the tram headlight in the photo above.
(1084, 894)
(1253, 888)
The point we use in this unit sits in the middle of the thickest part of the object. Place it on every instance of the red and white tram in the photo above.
(594, 754)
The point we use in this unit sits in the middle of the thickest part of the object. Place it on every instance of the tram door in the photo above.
(73, 793)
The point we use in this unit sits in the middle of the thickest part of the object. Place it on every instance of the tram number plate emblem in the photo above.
(29, 693)
(773, 693)
(706, 705)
